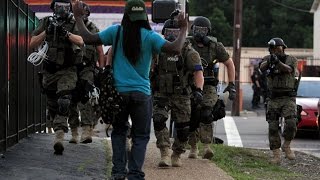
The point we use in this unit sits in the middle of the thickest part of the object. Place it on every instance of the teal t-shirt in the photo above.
(129, 77)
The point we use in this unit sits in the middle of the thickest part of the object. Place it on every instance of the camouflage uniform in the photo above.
(85, 84)
(282, 103)
(175, 80)
(60, 72)
(210, 55)
(257, 90)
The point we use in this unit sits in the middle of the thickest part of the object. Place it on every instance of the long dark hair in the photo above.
(132, 37)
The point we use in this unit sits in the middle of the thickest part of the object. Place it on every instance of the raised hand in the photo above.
(78, 9)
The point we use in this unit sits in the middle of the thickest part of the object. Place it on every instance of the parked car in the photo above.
(308, 98)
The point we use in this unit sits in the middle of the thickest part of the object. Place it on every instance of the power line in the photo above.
(290, 7)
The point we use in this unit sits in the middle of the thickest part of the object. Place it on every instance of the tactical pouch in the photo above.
(52, 54)
(166, 84)
(60, 58)
(78, 53)
(219, 110)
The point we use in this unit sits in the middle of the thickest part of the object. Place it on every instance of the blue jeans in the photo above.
(139, 106)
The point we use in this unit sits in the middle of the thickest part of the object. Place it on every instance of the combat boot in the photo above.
(176, 160)
(75, 136)
(207, 152)
(286, 149)
(86, 135)
(193, 152)
(165, 158)
(58, 142)
(276, 156)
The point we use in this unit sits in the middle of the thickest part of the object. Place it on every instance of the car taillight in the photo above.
(303, 113)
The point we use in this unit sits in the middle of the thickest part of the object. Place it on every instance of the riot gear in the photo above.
(276, 42)
(277, 54)
(63, 1)
(201, 27)
(62, 9)
(170, 30)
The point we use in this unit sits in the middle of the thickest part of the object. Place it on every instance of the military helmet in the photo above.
(277, 42)
(169, 24)
(202, 22)
(86, 8)
(63, 1)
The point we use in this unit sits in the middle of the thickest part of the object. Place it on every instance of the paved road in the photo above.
(253, 133)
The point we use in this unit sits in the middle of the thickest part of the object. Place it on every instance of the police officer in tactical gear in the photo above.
(83, 95)
(282, 85)
(175, 76)
(211, 52)
(59, 69)
(256, 87)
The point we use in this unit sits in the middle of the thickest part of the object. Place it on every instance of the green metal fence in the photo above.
(22, 107)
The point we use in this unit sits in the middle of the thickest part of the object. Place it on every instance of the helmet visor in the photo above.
(171, 33)
(203, 31)
(62, 9)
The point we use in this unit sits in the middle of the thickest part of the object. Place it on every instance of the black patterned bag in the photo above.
(110, 101)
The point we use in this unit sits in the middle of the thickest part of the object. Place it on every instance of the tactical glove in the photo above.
(274, 59)
(231, 88)
(197, 96)
(206, 41)
(62, 31)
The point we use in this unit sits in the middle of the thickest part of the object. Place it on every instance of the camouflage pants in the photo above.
(65, 81)
(87, 115)
(281, 107)
(180, 107)
(205, 130)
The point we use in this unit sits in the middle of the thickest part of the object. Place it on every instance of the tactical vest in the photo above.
(90, 55)
(207, 59)
(61, 51)
(173, 76)
(281, 82)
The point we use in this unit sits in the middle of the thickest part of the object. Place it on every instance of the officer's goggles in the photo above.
(200, 30)
(171, 32)
(62, 7)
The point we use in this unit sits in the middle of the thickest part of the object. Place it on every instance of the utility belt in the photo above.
(211, 81)
(53, 67)
(276, 94)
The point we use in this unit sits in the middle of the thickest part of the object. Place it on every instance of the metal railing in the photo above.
(22, 107)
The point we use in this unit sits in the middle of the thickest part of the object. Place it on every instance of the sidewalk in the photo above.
(33, 158)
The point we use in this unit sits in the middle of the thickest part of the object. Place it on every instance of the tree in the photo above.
(261, 21)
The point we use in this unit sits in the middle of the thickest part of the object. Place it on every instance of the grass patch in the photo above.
(83, 165)
(247, 164)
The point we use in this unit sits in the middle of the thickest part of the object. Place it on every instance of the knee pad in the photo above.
(159, 121)
(206, 115)
(64, 104)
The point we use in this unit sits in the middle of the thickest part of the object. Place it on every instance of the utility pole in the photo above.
(237, 30)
